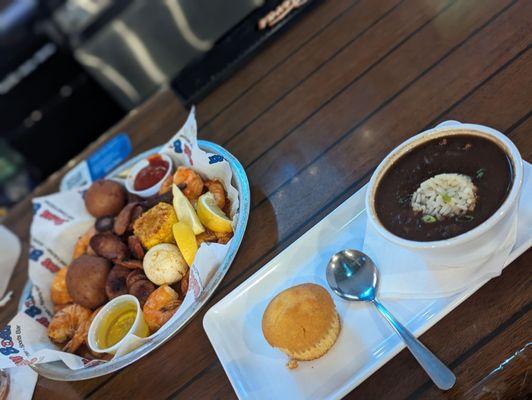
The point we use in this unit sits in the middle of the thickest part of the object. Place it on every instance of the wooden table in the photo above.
(310, 117)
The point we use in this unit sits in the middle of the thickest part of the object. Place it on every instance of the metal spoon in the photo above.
(353, 276)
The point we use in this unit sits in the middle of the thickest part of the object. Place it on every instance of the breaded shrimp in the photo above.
(162, 303)
(70, 325)
(218, 191)
(189, 182)
(60, 295)
(166, 186)
(82, 245)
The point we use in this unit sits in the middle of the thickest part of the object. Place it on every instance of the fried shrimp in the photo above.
(189, 182)
(218, 191)
(81, 334)
(206, 237)
(82, 245)
(162, 303)
(70, 325)
(223, 237)
(60, 295)
(166, 186)
(213, 237)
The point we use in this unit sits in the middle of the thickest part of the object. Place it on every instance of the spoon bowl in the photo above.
(353, 276)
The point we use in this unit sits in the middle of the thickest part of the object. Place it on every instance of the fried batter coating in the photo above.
(155, 225)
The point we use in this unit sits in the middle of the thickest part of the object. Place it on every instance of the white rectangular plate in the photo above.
(258, 371)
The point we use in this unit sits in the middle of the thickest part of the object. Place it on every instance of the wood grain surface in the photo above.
(310, 117)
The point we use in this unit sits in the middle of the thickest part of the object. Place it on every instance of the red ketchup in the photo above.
(152, 173)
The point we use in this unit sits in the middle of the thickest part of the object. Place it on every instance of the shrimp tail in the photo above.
(218, 191)
(172, 305)
(72, 345)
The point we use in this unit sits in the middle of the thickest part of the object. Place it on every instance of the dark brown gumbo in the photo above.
(443, 188)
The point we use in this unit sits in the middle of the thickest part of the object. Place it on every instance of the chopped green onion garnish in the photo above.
(480, 173)
(446, 198)
(404, 200)
(428, 219)
(465, 218)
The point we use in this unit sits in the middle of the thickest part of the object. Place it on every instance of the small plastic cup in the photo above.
(100, 323)
(152, 190)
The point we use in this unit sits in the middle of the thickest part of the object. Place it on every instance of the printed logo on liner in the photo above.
(6, 343)
(50, 216)
(35, 254)
(180, 147)
(35, 312)
(215, 158)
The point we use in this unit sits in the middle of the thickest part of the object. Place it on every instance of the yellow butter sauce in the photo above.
(120, 327)
(116, 325)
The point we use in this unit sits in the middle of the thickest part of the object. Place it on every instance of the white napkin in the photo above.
(10, 251)
(404, 274)
(22, 382)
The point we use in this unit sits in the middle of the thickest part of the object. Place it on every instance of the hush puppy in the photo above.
(86, 279)
(105, 198)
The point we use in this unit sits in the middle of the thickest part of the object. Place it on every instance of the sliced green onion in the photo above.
(428, 219)
(480, 173)
(404, 200)
(446, 198)
(465, 218)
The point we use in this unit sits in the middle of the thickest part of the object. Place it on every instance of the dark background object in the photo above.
(134, 47)
(148, 42)
(64, 64)
(51, 108)
(55, 112)
(206, 72)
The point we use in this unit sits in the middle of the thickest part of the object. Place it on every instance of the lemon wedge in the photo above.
(185, 212)
(186, 241)
(211, 215)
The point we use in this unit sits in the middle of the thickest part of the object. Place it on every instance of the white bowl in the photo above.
(139, 327)
(473, 247)
(130, 179)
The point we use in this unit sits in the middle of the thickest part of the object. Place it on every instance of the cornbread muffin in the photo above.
(155, 225)
(302, 322)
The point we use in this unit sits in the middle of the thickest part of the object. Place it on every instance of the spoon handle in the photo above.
(442, 376)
